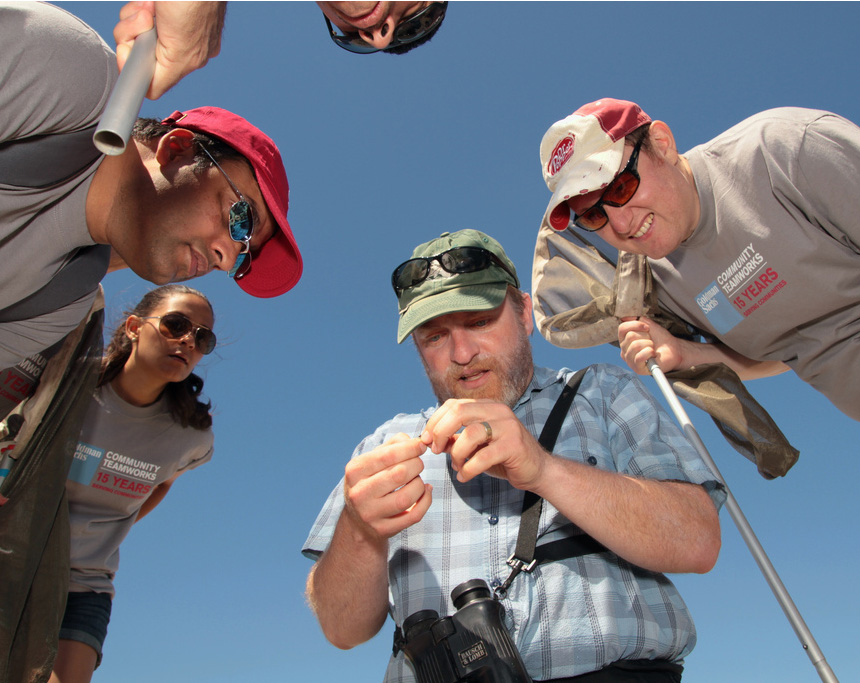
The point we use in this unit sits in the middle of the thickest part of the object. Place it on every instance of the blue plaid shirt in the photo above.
(570, 616)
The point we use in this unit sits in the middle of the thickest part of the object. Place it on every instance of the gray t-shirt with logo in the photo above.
(56, 75)
(124, 452)
(773, 267)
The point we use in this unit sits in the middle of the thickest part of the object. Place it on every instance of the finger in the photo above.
(484, 459)
(129, 9)
(636, 356)
(636, 327)
(439, 414)
(634, 344)
(641, 359)
(474, 438)
(457, 414)
(388, 492)
(389, 526)
(402, 499)
(396, 451)
(379, 514)
(127, 29)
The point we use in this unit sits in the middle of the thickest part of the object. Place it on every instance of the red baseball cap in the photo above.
(278, 266)
(582, 153)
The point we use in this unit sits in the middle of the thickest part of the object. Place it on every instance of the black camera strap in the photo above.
(526, 556)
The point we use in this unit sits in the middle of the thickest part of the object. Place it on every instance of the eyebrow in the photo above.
(184, 315)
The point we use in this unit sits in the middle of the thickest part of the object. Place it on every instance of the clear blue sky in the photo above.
(382, 153)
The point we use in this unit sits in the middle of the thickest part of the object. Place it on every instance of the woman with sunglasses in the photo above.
(144, 427)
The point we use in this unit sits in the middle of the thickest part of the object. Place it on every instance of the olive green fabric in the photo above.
(579, 297)
(34, 525)
(442, 293)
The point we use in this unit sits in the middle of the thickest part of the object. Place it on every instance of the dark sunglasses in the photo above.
(456, 261)
(240, 224)
(409, 30)
(177, 326)
(617, 193)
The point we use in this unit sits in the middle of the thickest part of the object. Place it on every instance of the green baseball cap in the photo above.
(443, 292)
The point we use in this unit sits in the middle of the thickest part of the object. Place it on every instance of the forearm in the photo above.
(697, 353)
(150, 503)
(663, 526)
(351, 578)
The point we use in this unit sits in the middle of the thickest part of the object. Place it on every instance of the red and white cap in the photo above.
(582, 153)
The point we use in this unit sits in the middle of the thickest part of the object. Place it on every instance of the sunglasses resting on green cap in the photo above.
(460, 271)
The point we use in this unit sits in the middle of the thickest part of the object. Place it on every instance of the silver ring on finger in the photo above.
(488, 430)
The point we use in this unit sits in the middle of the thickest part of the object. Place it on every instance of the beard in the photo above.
(513, 368)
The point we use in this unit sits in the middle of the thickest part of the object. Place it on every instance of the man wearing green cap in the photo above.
(434, 499)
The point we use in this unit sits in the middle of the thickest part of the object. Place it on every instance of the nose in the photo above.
(380, 35)
(463, 346)
(226, 251)
(620, 219)
(189, 338)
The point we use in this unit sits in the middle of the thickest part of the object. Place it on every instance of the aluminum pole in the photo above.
(815, 654)
(123, 107)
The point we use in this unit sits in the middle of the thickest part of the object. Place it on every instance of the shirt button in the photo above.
(592, 460)
(495, 583)
(493, 519)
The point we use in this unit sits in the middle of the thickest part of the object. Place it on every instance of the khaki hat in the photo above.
(437, 291)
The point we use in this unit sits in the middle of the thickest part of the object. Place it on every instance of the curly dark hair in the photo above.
(403, 49)
(182, 397)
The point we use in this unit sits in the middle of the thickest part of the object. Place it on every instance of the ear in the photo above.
(528, 317)
(663, 142)
(132, 327)
(178, 144)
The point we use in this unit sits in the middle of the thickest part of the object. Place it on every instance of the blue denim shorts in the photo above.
(86, 620)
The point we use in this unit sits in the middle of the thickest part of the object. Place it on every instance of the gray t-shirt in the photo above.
(772, 267)
(124, 452)
(56, 75)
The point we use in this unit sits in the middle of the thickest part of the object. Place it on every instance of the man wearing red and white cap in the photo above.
(752, 237)
(203, 190)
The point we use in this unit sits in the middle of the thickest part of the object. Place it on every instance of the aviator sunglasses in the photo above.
(240, 225)
(617, 193)
(177, 326)
(407, 31)
(456, 261)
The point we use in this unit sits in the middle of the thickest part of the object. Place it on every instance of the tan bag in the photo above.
(34, 522)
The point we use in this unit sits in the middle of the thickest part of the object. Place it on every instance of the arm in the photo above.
(383, 495)
(189, 35)
(154, 498)
(664, 526)
(643, 339)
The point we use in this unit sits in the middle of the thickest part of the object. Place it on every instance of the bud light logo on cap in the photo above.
(560, 155)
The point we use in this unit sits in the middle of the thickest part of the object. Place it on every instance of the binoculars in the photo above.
(472, 645)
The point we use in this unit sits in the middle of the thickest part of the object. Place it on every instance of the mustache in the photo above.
(456, 371)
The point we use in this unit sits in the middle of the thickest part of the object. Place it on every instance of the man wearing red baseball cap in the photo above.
(753, 237)
(202, 190)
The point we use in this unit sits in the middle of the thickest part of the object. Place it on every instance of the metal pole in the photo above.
(815, 654)
(123, 107)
